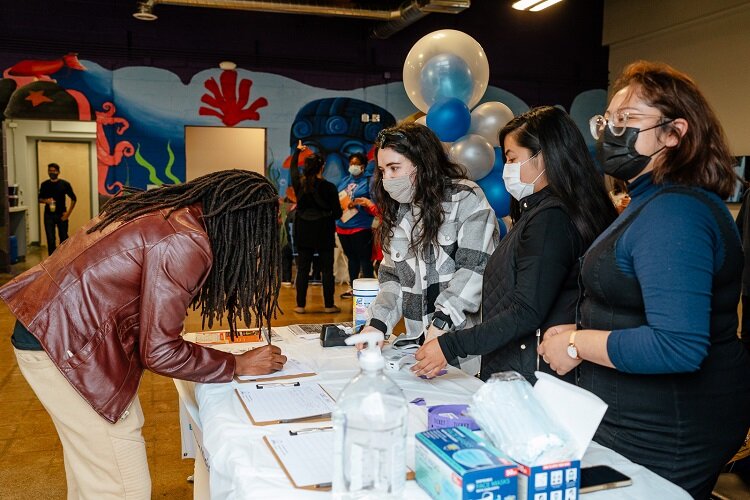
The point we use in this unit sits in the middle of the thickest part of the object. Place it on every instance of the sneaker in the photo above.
(333, 309)
(287, 284)
(299, 310)
(347, 295)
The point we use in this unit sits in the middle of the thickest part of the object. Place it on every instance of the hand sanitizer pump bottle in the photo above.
(370, 424)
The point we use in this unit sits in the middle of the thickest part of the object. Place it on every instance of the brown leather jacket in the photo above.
(107, 305)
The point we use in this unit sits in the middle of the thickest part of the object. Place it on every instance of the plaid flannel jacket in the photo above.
(449, 279)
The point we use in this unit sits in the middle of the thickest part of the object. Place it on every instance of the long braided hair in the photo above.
(240, 210)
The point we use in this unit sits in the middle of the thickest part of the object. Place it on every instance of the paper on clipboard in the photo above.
(292, 369)
(278, 402)
(306, 458)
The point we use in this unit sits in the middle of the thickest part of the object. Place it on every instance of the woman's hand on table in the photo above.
(554, 349)
(430, 360)
(259, 361)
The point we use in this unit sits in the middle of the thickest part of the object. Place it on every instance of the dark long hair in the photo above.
(313, 166)
(702, 157)
(240, 210)
(434, 174)
(571, 174)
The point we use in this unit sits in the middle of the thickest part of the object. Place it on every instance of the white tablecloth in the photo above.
(242, 466)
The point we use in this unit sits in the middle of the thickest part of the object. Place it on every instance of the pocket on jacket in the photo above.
(399, 249)
(75, 359)
(448, 233)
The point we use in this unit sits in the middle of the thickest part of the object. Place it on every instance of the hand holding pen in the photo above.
(259, 361)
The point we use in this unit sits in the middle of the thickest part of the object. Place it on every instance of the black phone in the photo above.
(602, 477)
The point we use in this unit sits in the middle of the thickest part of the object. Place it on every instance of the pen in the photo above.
(310, 429)
(267, 334)
(322, 485)
(277, 384)
(293, 420)
(538, 336)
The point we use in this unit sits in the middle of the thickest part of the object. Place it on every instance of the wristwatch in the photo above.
(440, 323)
(572, 349)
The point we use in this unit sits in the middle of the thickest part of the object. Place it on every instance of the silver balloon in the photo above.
(475, 153)
(488, 119)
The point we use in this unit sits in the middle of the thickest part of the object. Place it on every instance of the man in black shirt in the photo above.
(52, 193)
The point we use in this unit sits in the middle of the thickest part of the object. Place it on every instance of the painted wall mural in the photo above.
(141, 113)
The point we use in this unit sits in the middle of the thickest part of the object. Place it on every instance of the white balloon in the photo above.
(445, 42)
(475, 153)
(488, 119)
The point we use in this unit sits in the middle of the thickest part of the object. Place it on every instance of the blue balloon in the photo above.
(446, 76)
(450, 119)
(494, 189)
(503, 228)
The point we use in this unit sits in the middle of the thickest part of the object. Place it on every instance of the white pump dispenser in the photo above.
(371, 358)
(370, 424)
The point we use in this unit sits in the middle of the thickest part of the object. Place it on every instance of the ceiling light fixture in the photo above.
(145, 12)
(533, 5)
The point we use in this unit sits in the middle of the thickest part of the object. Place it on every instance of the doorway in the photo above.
(74, 159)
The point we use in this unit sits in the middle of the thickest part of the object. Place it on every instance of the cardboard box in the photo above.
(558, 481)
(456, 463)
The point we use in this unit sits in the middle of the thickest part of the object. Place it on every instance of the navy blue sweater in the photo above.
(673, 249)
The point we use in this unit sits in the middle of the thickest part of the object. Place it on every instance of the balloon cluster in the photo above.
(445, 75)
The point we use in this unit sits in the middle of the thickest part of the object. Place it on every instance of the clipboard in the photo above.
(292, 369)
(304, 448)
(268, 403)
(290, 466)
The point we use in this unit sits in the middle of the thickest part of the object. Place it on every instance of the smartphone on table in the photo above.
(602, 477)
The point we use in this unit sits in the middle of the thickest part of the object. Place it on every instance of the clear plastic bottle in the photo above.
(52, 206)
(370, 424)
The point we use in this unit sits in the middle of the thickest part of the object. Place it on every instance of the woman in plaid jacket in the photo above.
(438, 232)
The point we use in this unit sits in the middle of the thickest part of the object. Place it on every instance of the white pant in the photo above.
(102, 460)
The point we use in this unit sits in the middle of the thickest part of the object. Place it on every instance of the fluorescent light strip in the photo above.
(524, 4)
(543, 5)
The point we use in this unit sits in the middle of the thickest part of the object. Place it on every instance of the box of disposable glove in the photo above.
(456, 463)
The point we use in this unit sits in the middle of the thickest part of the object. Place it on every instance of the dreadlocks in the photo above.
(240, 210)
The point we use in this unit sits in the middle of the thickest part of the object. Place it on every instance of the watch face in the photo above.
(440, 324)
(572, 351)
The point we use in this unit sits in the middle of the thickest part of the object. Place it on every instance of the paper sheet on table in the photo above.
(578, 410)
(307, 458)
(277, 402)
(292, 369)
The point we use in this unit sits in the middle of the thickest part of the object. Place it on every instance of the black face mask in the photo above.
(618, 156)
(53, 176)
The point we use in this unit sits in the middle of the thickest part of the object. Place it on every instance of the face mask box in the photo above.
(579, 412)
(455, 463)
(559, 481)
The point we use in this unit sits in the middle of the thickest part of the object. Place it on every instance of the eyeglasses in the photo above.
(387, 135)
(617, 123)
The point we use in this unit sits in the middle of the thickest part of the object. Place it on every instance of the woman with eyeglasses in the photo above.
(531, 281)
(437, 232)
(656, 334)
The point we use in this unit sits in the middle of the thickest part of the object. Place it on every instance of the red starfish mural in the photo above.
(226, 104)
(37, 97)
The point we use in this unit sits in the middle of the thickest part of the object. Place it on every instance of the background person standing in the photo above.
(52, 193)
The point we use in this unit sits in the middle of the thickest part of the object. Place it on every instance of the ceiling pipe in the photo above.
(391, 21)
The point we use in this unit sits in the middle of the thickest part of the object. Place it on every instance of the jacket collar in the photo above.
(534, 199)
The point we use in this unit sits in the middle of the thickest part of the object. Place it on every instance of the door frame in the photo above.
(21, 138)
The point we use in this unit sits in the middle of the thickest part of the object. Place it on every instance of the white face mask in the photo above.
(400, 189)
(512, 178)
(355, 170)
